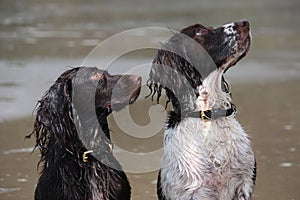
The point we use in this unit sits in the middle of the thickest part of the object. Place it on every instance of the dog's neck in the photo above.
(89, 116)
(214, 101)
(102, 115)
(211, 95)
(93, 132)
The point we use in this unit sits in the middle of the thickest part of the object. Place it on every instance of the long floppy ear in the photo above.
(54, 124)
(179, 67)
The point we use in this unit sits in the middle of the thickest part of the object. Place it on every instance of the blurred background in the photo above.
(40, 39)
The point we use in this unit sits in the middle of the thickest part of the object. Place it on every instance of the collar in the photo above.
(205, 115)
(107, 150)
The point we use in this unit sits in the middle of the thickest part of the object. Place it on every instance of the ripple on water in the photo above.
(286, 164)
(7, 190)
(21, 150)
(22, 180)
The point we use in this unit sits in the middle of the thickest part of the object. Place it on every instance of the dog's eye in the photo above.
(97, 76)
(201, 32)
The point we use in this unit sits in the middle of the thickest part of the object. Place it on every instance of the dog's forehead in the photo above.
(89, 71)
(190, 30)
(86, 74)
(92, 70)
(97, 75)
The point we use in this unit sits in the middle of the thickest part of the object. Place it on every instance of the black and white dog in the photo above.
(207, 154)
(72, 133)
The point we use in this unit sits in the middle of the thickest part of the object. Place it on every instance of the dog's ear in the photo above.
(193, 39)
(198, 32)
(54, 119)
(180, 66)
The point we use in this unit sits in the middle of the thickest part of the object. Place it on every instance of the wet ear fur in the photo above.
(54, 119)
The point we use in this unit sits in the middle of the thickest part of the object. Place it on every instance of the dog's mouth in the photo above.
(135, 95)
(126, 92)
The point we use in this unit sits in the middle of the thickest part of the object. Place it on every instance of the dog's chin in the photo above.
(119, 103)
(241, 52)
(135, 95)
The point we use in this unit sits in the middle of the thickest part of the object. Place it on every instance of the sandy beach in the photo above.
(268, 112)
(40, 40)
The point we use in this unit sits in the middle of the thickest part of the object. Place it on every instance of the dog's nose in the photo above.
(243, 24)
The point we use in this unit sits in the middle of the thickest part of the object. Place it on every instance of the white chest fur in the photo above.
(207, 160)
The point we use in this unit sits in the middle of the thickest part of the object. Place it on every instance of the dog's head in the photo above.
(226, 45)
(191, 55)
(97, 89)
(71, 115)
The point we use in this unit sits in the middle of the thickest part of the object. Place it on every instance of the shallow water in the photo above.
(40, 40)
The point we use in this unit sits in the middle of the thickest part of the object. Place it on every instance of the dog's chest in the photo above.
(200, 155)
(194, 141)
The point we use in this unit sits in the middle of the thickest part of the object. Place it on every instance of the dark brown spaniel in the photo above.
(73, 137)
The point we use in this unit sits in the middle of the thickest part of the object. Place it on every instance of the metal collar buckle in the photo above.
(203, 116)
(85, 155)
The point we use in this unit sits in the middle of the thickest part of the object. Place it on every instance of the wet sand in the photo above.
(269, 113)
(40, 39)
